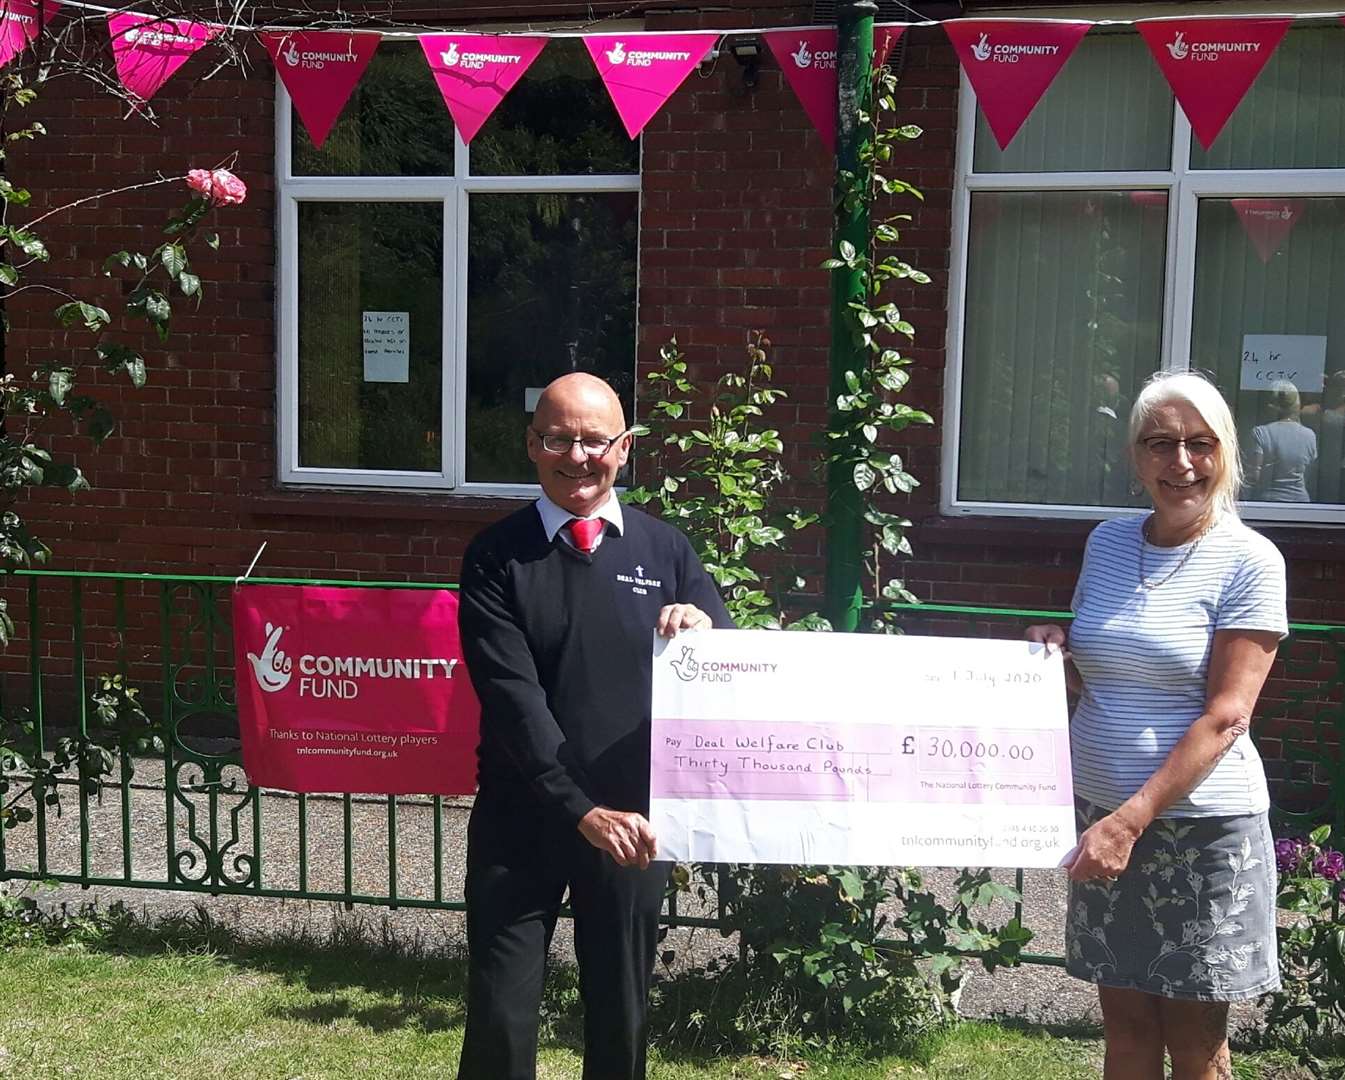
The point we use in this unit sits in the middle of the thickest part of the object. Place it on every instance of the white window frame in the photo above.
(1185, 187)
(453, 193)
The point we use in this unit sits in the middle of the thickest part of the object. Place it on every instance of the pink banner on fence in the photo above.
(354, 689)
(475, 71)
(1211, 63)
(320, 69)
(147, 50)
(1010, 65)
(1268, 222)
(19, 25)
(641, 71)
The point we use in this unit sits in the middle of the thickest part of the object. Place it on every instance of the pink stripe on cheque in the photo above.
(805, 762)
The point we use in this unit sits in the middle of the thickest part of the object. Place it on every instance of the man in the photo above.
(557, 604)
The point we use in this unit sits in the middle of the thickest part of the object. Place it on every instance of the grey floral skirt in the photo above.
(1192, 916)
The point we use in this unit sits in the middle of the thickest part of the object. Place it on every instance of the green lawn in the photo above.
(200, 1004)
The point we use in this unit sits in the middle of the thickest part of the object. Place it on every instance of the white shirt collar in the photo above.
(554, 518)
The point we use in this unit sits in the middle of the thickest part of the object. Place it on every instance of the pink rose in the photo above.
(218, 186)
(229, 190)
(200, 181)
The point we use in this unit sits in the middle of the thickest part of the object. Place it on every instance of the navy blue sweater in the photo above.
(558, 644)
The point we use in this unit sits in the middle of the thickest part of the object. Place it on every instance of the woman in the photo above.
(1282, 451)
(1178, 614)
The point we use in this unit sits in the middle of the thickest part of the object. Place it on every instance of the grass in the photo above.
(121, 1000)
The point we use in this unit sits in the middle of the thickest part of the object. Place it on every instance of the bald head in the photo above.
(579, 407)
(579, 391)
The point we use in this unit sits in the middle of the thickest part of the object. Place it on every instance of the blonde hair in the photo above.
(1193, 389)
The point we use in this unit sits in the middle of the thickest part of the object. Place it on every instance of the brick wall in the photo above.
(735, 222)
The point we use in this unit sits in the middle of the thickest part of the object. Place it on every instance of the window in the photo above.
(428, 288)
(1105, 243)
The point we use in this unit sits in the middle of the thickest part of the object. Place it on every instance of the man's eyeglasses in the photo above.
(593, 446)
(1202, 446)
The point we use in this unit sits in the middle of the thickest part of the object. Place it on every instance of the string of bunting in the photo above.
(1209, 61)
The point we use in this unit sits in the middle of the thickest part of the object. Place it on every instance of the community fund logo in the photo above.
(156, 39)
(273, 667)
(324, 676)
(1207, 51)
(291, 55)
(616, 54)
(475, 61)
(805, 58)
(687, 668)
(984, 50)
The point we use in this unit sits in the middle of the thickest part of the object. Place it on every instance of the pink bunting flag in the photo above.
(885, 35)
(147, 50)
(1211, 63)
(641, 71)
(808, 60)
(19, 25)
(1010, 64)
(320, 69)
(475, 71)
(1268, 222)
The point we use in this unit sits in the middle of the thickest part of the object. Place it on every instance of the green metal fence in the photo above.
(186, 819)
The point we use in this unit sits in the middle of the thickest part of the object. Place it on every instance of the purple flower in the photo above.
(1288, 852)
(1330, 865)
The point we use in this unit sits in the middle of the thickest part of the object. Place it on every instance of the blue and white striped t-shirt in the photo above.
(1144, 655)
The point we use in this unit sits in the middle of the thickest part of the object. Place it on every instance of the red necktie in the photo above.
(585, 532)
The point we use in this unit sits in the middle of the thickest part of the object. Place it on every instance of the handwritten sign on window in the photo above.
(387, 346)
(1293, 358)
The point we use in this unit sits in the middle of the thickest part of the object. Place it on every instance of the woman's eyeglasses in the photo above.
(1161, 446)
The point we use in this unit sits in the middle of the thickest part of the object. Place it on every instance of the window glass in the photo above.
(1108, 109)
(384, 260)
(1293, 117)
(395, 124)
(1269, 325)
(557, 120)
(1064, 307)
(550, 289)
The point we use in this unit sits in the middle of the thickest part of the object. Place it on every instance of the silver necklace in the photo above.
(1145, 583)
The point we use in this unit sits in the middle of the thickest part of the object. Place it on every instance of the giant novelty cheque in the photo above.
(857, 749)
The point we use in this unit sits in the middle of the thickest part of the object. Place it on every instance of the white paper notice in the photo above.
(858, 749)
(1296, 358)
(387, 346)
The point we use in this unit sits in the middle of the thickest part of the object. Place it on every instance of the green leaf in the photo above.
(9, 275)
(189, 283)
(174, 259)
(59, 383)
(135, 368)
(116, 259)
(847, 251)
(864, 476)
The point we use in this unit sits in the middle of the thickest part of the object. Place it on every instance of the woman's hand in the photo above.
(1104, 850)
(1049, 635)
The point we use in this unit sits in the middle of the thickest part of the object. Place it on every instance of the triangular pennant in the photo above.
(1010, 63)
(1211, 63)
(18, 25)
(641, 71)
(885, 36)
(1268, 222)
(475, 71)
(320, 69)
(147, 50)
(808, 59)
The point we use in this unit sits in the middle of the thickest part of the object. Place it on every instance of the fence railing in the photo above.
(185, 818)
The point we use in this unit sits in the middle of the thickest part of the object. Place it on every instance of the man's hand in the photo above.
(677, 617)
(624, 835)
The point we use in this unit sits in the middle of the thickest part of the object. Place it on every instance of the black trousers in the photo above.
(518, 867)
